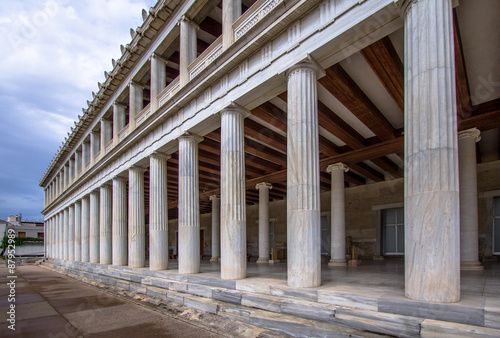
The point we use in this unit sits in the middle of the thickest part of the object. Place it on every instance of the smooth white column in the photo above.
(303, 189)
(231, 10)
(65, 234)
(469, 232)
(85, 229)
(337, 171)
(432, 215)
(95, 145)
(118, 120)
(233, 201)
(158, 79)
(264, 249)
(106, 133)
(215, 228)
(187, 48)
(78, 231)
(120, 229)
(136, 102)
(94, 227)
(61, 235)
(85, 155)
(105, 220)
(71, 233)
(158, 212)
(189, 205)
(136, 219)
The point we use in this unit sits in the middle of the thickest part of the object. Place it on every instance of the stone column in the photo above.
(264, 249)
(106, 134)
(136, 103)
(303, 192)
(120, 231)
(71, 233)
(432, 215)
(469, 237)
(105, 225)
(61, 235)
(187, 49)
(95, 146)
(158, 212)
(231, 10)
(55, 242)
(136, 220)
(85, 229)
(215, 228)
(94, 227)
(65, 177)
(119, 119)
(78, 163)
(233, 202)
(189, 205)
(85, 155)
(158, 79)
(66, 234)
(78, 231)
(337, 171)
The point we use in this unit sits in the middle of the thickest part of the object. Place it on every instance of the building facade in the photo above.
(247, 131)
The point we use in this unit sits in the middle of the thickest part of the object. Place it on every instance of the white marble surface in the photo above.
(119, 226)
(231, 10)
(264, 249)
(215, 228)
(71, 233)
(187, 49)
(85, 229)
(94, 227)
(158, 79)
(337, 171)
(233, 206)
(432, 216)
(65, 233)
(303, 189)
(136, 218)
(78, 231)
(189, 209)
(158, 212)
(135, 102)
(105, 217)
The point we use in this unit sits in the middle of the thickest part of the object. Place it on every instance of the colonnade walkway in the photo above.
(369, 297)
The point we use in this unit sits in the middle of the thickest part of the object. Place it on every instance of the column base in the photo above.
(337, 262)
(262, 260)
(215, 259)
(471, 266)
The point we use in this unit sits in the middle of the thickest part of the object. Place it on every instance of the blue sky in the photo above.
(52, 54)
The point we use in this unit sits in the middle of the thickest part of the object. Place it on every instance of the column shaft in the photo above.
(61, 235)
(136, 103)
(231, 10)
(94, 227)
(187, 48)
(85, 229)
(189, 210)
(136, 221)
(78, 231)
(120, 231)
(303, 189)
(215, 228)
(105, 225)
(264, 247)
(432, 241)
(337, 171)
(233, 200)
(158, 79)
(71, 233)
(65, 233)
(118, 121)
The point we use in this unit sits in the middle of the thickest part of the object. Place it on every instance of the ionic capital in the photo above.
(307, 63)
(162, 156)
(264, 185)
(472, 133)
(189, 136)
(235, 108)
(214, 197)
(337, 166)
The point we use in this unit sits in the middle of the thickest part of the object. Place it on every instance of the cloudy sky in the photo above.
(52, 54)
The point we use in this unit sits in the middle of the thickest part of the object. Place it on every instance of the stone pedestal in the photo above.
(136, 219)
(231, 10)
(469, 237)
(215, 228)
(94, 227)
(432, 216)
(337, 171)
(233, 202)
(78, 231)
(105, 223)
(120, 231)
(187, 48)
(71, 233)
(158, 212)
(303, 189)
(65, 234)
(264, 249)
(189, 209)
(85, 229)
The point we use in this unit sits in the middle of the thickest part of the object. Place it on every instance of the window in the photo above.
(21, 234)
(496, 226)
(393, 233)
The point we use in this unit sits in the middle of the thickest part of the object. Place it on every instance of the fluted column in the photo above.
(469, 237)
(303, 189)
(432, 215)
(105, 225)
(78, 231)
(264, 249)
(215, 228)
(337, 171)
(71, 233)
(189, 205)
(85, 229)
(158, 212)
(233, 202)
(66, 234)
(136, 103)
(187, 48)
(94, 227)
(61, 235)
(136, 219)
(120, 228)
(231, 10)
(158, 78)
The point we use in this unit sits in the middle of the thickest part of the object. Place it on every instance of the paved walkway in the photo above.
(51, 305)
